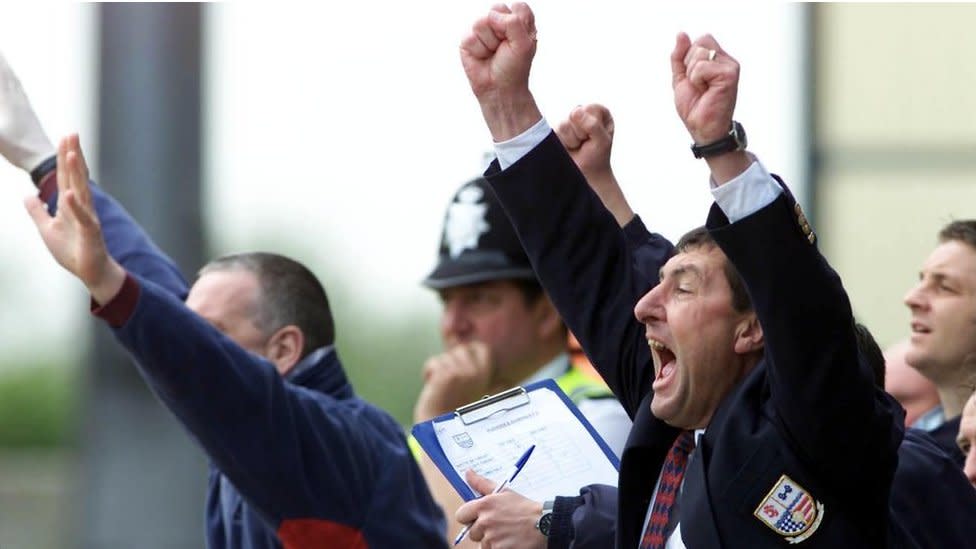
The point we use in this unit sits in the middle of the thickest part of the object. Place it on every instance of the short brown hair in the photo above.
(963, 230)
(699, 237)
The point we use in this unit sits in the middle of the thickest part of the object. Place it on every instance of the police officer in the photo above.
(499, 330)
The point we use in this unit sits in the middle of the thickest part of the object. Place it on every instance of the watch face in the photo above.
(544, 523)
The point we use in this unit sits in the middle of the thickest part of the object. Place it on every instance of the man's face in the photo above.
(496, 314)
(967, 438)
(943, 312)
(916, 393)
(691, 328)
(228, 300)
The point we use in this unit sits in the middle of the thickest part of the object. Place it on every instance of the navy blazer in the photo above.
(807, 423)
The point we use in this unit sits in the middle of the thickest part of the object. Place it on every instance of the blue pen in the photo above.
(501, 486)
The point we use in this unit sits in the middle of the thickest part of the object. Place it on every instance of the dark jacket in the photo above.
(807, 417)
(301, 463)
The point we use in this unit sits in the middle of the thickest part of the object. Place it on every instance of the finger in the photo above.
(577, 125)
(473, 45)
(527, 18)
(481, 356)
(513, 26)
(60, 172)
(697, 53)
(38, 211)
(488, 37)
(467, 513)
(477, 532)
(708, 42)
(84, 163)
(501, 8)
(461, 359)
(701, 73)
(84, 216)
(481, 484)
(681, 45)
(593, 126)
(76, 176)
(603, 115)
(567, 136)
(433, 366)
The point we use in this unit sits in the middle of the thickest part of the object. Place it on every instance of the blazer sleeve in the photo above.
(824, 395)
(586, 521)
(583, 260)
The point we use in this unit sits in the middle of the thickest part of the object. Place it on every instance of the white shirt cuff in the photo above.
(751, 191)
(511, 150)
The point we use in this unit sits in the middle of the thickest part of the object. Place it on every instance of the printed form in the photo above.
(566, 457)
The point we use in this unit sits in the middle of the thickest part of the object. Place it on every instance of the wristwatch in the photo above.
(735, 140)
(545, 520)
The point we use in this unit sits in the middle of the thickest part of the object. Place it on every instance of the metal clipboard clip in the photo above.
(493, 404)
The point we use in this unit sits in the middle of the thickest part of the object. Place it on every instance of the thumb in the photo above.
(480, 484)
(37, 210)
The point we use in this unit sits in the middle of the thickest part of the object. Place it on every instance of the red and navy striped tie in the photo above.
(667, 491)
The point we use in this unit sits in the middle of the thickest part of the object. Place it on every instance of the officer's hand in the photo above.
(454, 378)
(501, 521)
(22, 139)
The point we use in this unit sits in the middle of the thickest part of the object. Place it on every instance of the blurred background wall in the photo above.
(337, 135)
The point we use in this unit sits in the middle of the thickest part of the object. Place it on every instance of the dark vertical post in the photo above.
(143, 481)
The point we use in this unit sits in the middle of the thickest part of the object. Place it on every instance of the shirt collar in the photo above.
(552, 369)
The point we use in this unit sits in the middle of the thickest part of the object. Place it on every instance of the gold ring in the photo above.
(711, 55)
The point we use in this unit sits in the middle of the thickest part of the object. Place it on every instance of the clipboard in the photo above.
(485, 434)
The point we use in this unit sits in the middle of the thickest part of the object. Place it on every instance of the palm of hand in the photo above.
(75, 240)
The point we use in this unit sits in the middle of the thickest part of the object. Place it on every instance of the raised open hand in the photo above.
(73, 235)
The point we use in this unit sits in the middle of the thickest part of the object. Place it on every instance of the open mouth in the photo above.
(666, 360)
(918, 328)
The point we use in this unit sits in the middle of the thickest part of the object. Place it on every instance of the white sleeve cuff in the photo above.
(751, 191)
(511, 150)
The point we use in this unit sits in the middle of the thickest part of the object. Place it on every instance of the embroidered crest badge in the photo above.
(464, 440)
(465, 221)
(790, 511)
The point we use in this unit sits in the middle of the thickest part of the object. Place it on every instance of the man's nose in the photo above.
(649, 307)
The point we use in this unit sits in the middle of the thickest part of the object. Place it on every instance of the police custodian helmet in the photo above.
(478, 243)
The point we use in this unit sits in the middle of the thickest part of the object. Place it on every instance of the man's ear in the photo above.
(284, 348)
(748, 335)
(549, 320)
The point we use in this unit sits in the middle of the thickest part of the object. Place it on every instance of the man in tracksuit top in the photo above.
(247, 365)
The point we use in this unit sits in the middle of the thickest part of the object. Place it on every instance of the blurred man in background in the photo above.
(917, 395)
(942, 346)
(499, 329)
(247, 365)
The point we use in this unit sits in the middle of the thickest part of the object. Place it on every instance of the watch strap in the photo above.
(735, 140)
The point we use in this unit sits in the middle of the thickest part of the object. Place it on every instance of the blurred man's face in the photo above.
(916, 393)
(691, 328)
(496, 314)
(943, 312)
(228, 300)
(967, 438)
